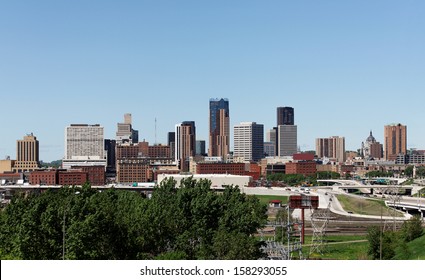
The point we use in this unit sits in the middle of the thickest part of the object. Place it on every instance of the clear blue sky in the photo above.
(347, 67)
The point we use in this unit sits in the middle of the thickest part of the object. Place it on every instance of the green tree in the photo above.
(382, 244)
(189, 222)
(412, 229)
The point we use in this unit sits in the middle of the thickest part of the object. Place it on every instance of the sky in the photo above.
(346, 67)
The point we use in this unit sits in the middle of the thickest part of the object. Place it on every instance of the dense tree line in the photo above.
(189, 222)
(299, 179)
(384, 244)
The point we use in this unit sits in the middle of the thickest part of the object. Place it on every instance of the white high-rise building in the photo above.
(249, 141)
(287, 140)
(84, 145)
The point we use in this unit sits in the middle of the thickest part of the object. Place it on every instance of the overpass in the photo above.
(371, 189)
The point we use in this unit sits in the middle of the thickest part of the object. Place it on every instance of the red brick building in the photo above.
(72, 177)
(44, 177)
(159, 151)
(306, 168)
(96, 174)
(221, 168)
(132, 170)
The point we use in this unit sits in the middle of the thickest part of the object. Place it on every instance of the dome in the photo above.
(371, 139)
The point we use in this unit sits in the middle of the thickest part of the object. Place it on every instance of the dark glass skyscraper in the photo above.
(219, 138)
(285, 116)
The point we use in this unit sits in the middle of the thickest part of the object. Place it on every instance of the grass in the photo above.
(366, 206)
(265, 199)
(341, 247)
(415, 250)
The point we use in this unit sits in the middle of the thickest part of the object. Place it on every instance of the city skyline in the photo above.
(345, 68)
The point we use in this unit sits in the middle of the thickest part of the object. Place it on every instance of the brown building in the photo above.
(27, 154)
(133, 170)
(96, 174)
(131, 150)
(376, 150)
(221, 168)
(395, 140)
(159, 151)
(6, 165)
(219, 136)
(306, 168)
(72, 177)
(44, 177)
(185, 144)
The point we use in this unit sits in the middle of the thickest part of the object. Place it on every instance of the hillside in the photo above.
(415, 250)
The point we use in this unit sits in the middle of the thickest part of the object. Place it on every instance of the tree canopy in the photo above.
(189, 222)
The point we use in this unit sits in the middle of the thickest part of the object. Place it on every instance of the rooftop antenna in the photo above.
(155, 131)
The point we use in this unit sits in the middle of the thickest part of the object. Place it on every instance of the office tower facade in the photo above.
(185, 144)
(27, 154)
(110, 155)
(125, 132)
(271, 137)
(219, 136)
(249, 141)
(269, 149)
(332, 147)
(200, 147)
(285, 116)
(287, 140)
(171, 141)
(84, 145)
(395, 140)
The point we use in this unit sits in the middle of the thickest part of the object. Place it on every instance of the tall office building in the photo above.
(110, 150)
(219, 137)
(185, 144)
(125, 132)
(27, 154)
(249, 141)
(285, 116)
(333, 148)
(395, 140)
(200, 147)
(172, 143)
(287, 140)
(84, 145)
(271, 137)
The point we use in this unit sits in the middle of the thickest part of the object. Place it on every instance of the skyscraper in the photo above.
(200, 147)
(286, 132)
(27, 154)
(271, 137)
(395, 140)
(287, 140)
(333, 148)
(285, 116)
(171, 141)
(185, 143)
(219, 137)
(84, 145)
(249, 141)
(125, 132)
